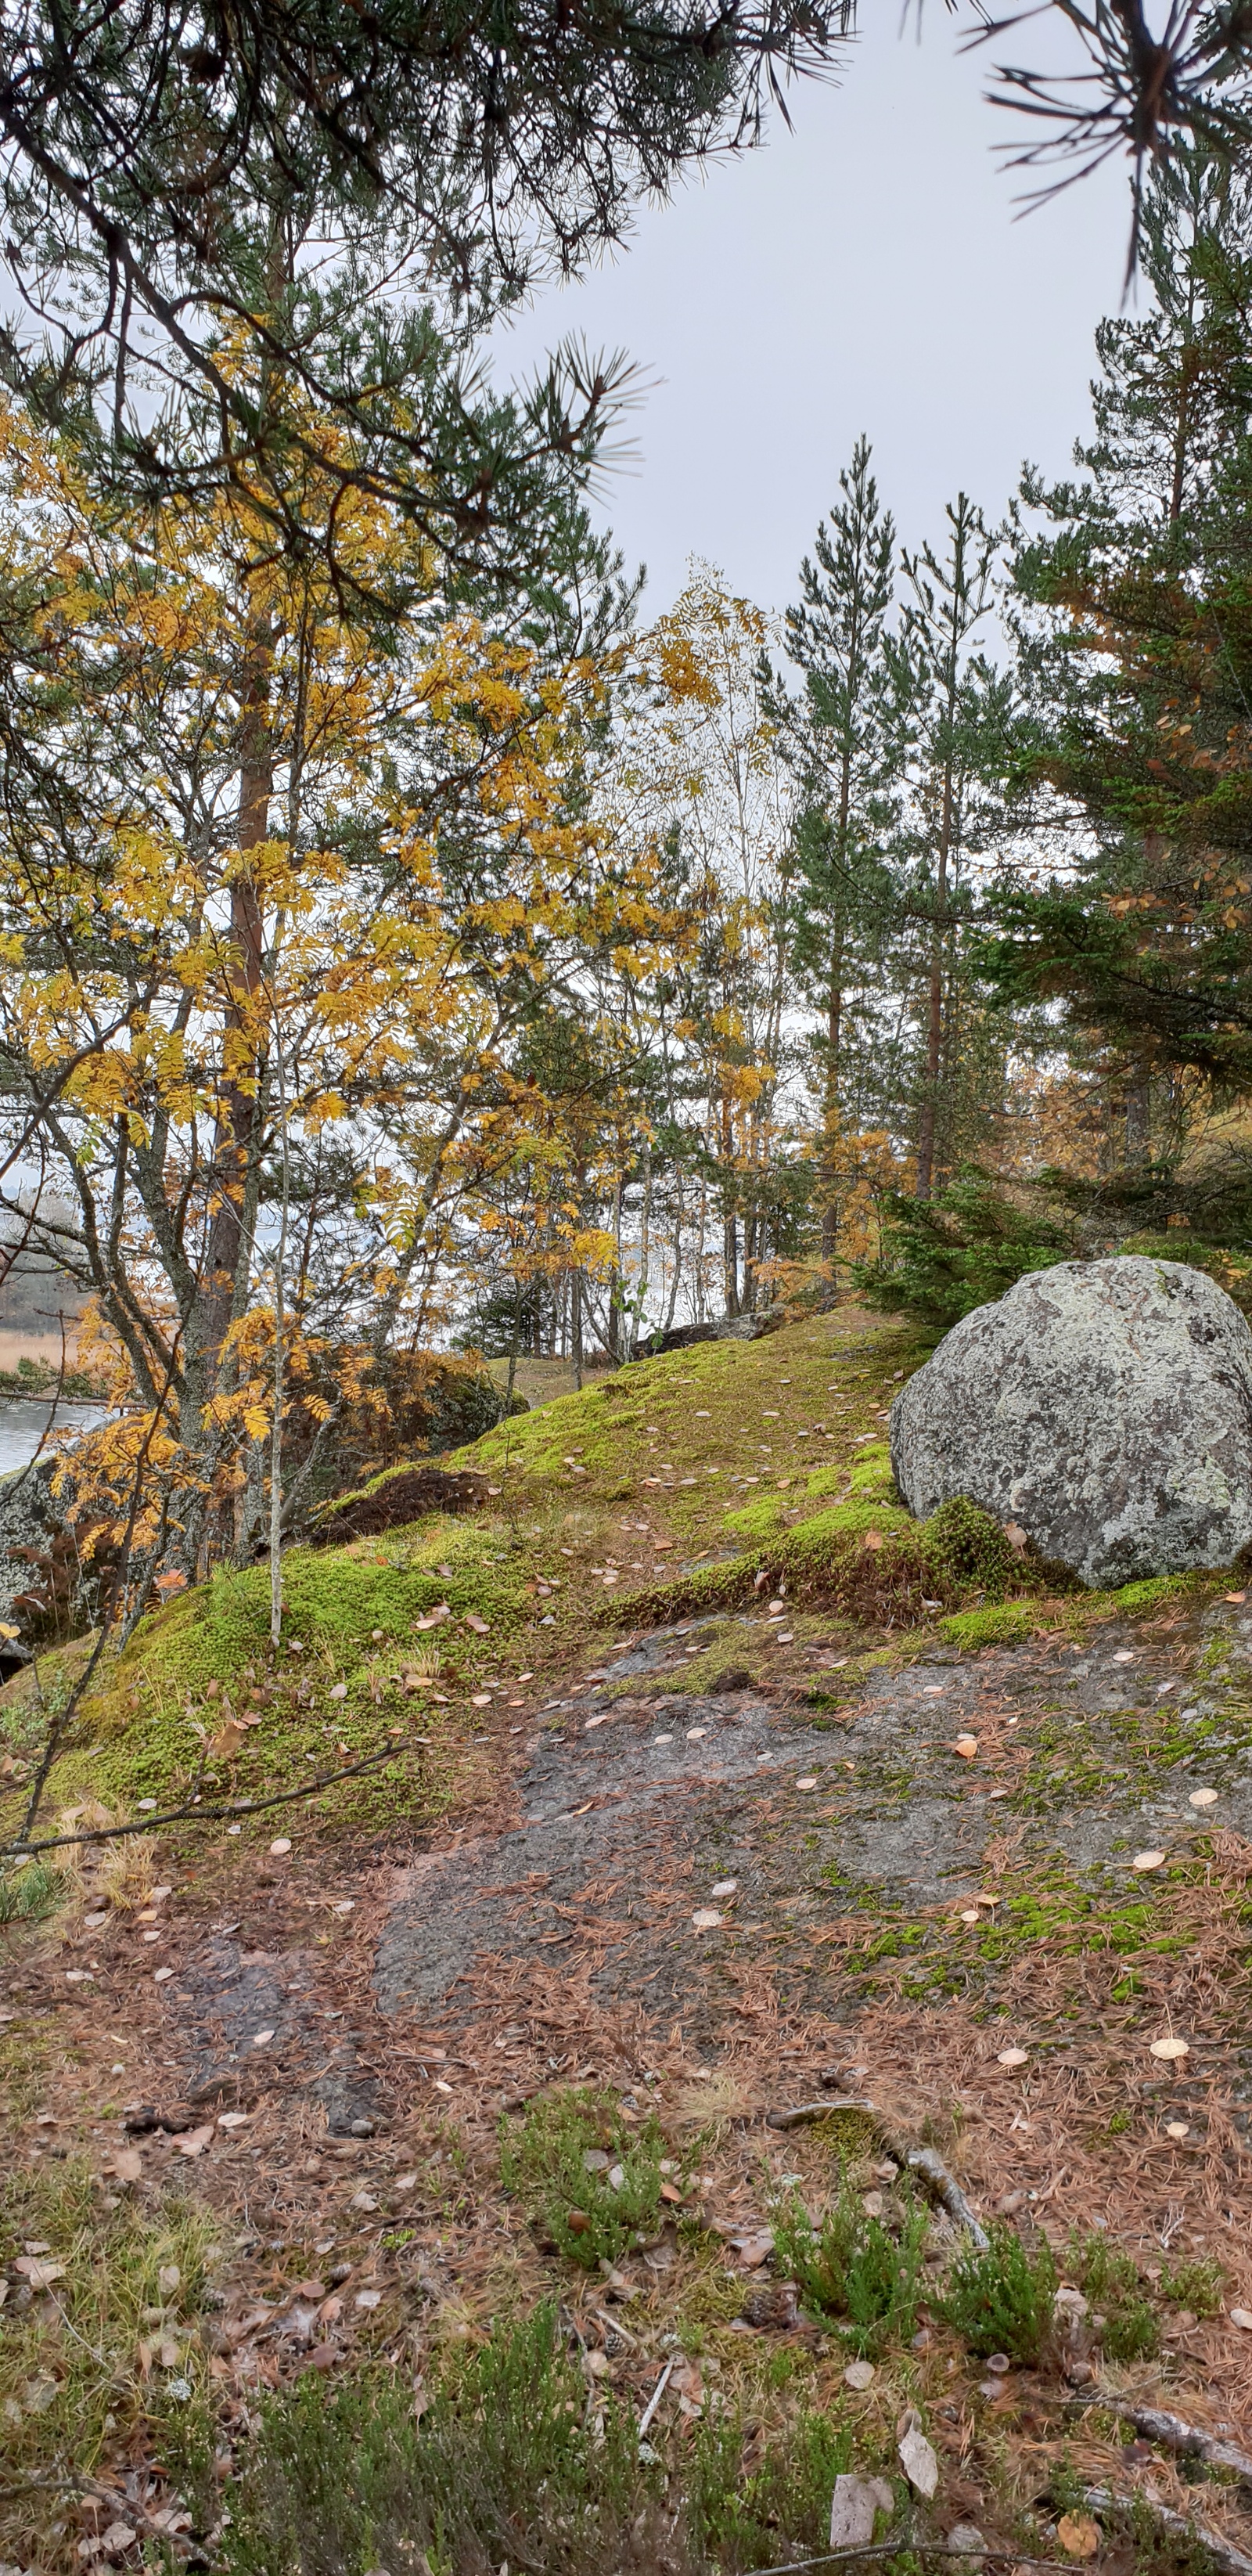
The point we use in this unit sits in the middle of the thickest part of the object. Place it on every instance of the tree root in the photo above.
(922, 2161)
(1173, 2432)
(1221, 2553)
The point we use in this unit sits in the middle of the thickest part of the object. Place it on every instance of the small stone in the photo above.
(966, 2540)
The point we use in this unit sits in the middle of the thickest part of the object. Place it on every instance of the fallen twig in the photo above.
(922, 2161)
(1180, 2526)
(123, 2506)
(655, 2399)
(202, 1815)
(1173, 2432)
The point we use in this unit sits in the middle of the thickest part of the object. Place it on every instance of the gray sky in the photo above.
(863, 272)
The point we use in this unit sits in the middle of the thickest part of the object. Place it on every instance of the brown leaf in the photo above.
(40, 2275)
(228, 1738)
(1078, 2534)
(194, 2141)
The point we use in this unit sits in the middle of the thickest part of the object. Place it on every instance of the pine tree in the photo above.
(839, 736)
(1135, 648)
(957, 714)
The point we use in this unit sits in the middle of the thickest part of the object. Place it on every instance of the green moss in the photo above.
(756, 1522)
(1003, 1623)
(354, 1612)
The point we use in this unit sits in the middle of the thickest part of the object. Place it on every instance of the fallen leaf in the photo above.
(873, 1539)
(1017, 1537)
(1170, 2048)
(159, 1975)
(577, 2222)
(966, 1746)
(669, 2193)
(1177, 2129)
(479, 1626)
(859, 2374)
(126, 2163)
(261, 2038)
(228, 1738)
(480, 1699)
(1012, 2057)
(918, 2461)
(1202, 1798)
(233, 2119)
(369, 2298)
(280, 1845)
(1242, 2317)
(338, 1690)
(194, 2141)
(707, 1919)
(1079, 2536)
(1148, 1860)
(40, 2275)
(1124, 1655)
(724, 1887)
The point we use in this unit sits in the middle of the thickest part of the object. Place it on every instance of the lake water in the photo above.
(24, 1418)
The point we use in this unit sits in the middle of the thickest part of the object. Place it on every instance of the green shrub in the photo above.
(543, 2159)
(851, 2266)
(510, 2463)
(503, 2463)
(738, 2521)
(1197, 2286)
(1001, 2300)
(1110, 2280)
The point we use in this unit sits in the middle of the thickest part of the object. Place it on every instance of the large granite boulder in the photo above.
(1105, 1407)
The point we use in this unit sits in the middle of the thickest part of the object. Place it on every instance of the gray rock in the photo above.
(1103, 1406)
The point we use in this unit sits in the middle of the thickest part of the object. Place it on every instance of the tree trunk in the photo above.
(934, 1011)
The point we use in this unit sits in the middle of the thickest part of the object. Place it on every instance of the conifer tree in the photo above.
(1135, 647)
(839, 738)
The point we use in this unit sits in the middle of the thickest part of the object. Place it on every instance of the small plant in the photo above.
(1198, 2286)
(1110, 2280)
(592, 2182)
(27, 1893)
(1001, 2300)
(851, 2266)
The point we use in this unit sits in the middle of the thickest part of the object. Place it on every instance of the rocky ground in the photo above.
(709, 1867)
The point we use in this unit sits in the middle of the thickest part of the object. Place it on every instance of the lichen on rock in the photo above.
(1103, 1407)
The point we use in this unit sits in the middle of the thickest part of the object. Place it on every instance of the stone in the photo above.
(1103, 1406)
(854, 2503)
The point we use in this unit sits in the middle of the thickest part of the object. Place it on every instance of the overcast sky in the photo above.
(867, 271)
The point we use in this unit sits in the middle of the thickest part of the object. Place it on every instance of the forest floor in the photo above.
(684, 1859)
